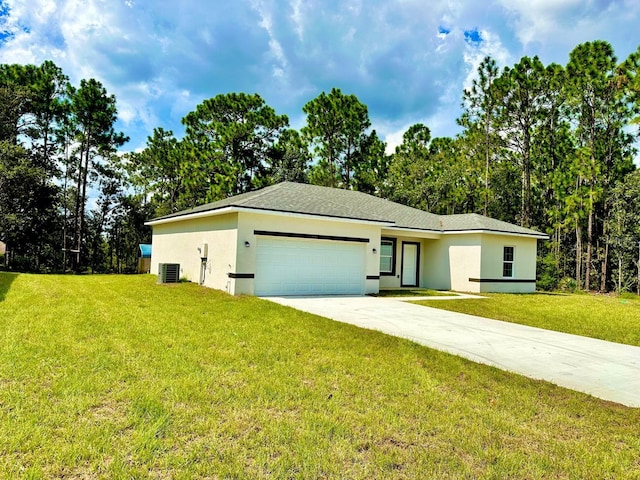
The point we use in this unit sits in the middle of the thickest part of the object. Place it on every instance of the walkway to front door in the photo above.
(607, 370)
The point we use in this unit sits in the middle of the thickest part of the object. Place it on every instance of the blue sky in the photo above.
(408, 60)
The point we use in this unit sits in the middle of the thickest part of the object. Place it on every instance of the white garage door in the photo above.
(309, 267)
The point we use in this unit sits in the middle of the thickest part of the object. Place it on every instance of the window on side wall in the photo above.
(388, 256)
(507, 262)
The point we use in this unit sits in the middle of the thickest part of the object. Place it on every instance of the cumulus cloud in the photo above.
(406, 59)
(552, 28)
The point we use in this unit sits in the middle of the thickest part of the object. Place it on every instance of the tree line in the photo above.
(57, 143)
(549, 147)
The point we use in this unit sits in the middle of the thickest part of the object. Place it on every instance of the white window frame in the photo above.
(506, 262)
(393, 243)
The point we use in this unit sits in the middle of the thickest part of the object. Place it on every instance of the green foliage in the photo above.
(336, 130)
(599, 109)
(289, 158)
(409, 179)
(158, 171)
(57, 141)
(559, 135)
(433, 175)
(567, 284)
(27, 206)
(228, 141)
(521, 95)
(480, 118)
(126, 231)
(371, 165)
(623, 232)
(547, 272)
(630, 76)
(93, 116)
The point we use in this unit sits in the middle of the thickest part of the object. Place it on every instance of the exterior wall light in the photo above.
(375, 251)
(247, 244)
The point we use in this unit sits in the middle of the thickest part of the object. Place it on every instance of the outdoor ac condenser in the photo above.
(169, 273)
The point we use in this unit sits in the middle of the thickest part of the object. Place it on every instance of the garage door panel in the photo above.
(308, 267)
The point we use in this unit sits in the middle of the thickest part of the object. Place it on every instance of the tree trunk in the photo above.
(587, 273)
(605, 265)
(83, 201)
(486, 167)
(619, 274)
(66, 213)
(76, 220)
(638, 268)
(525, 213)
(578, 256)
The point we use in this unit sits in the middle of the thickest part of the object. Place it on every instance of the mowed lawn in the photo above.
(118, 377)
(605, 317)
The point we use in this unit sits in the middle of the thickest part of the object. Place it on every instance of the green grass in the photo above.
(599, 316)
(118, 377)
(417, 292)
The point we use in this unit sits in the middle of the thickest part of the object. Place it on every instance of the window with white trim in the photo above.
(507, 261)
(388, 256)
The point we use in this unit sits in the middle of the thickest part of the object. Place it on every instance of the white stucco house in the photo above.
(298, 239)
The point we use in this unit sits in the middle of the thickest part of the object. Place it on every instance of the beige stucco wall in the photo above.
(524, 263)
(464, 253)
(453, 260)
(436, 265)
(249, 221)
(179, 242)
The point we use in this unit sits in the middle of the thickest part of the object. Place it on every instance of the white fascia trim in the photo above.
(222, 211)
(412, 232)
(192, 216)
(540, 236)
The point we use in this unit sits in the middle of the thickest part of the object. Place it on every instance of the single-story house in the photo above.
(298, 239)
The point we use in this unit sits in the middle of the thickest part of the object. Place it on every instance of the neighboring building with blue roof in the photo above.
(144, 258)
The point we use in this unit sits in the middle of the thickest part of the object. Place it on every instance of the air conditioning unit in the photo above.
(169, 273)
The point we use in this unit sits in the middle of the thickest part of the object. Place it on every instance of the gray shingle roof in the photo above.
(332, 202)
(473, 221)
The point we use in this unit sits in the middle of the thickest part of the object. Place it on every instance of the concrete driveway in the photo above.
(607, 370)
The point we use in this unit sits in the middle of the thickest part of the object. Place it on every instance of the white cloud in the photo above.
(473, 55)
(276, 52)
(298, 19)
(535, 20)
(406, 59)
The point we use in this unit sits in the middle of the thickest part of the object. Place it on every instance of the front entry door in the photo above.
(410, 262)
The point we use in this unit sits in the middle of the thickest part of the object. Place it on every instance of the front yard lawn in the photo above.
(118, 377)
(599, 316)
